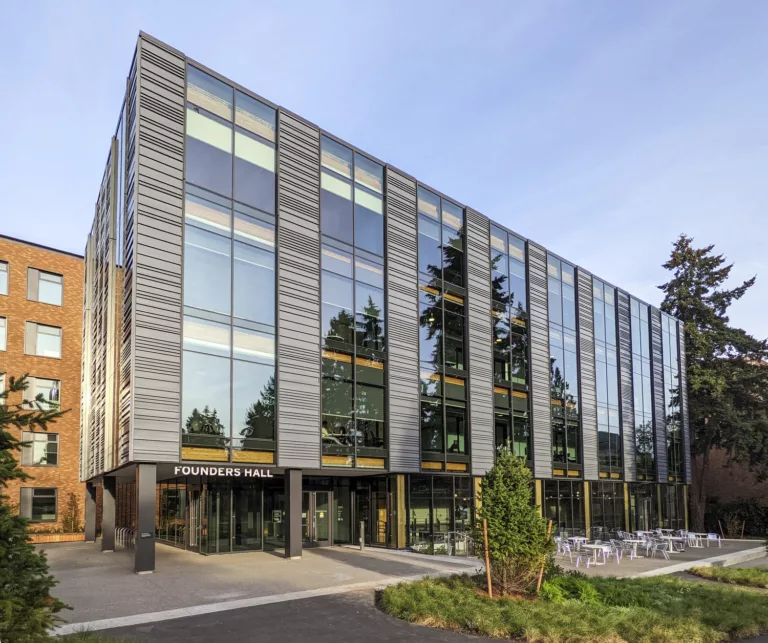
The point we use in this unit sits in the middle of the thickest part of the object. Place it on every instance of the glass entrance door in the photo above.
(195, 511)
(246, 519)
(316, 518)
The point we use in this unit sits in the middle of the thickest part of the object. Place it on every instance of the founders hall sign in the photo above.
(223, 472)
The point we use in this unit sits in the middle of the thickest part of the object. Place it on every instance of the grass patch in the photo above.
(748, 576)
(578, 609)
(89, 636)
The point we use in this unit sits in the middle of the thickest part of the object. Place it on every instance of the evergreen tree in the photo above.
(260, 417)
(727, 368)
(206, 423)
(27, 609)
(517, 534)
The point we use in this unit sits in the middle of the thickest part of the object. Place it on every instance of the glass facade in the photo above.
(442, 321)
(441, 510)
(607, 509)
(228, 378)
(645, 442)
(607, 380)
(672, 503)
(564, 506)
(564, 368)
(509, 301)
(643, 506)
(353, 309)
(671, 362)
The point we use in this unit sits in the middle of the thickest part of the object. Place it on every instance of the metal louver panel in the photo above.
(480, 342)
(659, 410)
(404, 416)
(626, 387)
(298, 293)
(540, 364)
(587, 386)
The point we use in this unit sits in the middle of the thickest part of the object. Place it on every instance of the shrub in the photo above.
(752, 514)
(517, 535)
(70, 523)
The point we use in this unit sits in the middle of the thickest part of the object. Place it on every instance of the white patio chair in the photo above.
(659, 547)
(716, 538)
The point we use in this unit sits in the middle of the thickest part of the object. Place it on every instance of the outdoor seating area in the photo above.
(626, 546)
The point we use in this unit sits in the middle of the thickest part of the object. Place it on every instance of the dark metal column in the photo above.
(146, 483)
(293, 513)
(90, 512)
(108, 515)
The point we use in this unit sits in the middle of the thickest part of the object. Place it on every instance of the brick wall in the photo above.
(734, 482)
(18, 310)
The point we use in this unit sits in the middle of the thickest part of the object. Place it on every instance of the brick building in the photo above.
(41, 322)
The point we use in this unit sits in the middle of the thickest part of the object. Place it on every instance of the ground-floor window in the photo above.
(564, 506)
(39, 505)
(607, 503)
(440, 513)
(643, 507)
(672, 506)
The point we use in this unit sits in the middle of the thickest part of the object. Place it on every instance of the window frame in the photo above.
(25, 438)
(37, 335)
(36, 294)
(4, 337)
(5, 267)
(32, 501)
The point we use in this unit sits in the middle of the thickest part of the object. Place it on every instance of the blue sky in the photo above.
(636, 120)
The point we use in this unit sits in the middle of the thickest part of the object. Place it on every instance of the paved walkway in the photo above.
(104, 592)
(732, 552)
(329, 619)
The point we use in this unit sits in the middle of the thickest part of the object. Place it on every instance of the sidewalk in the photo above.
(104, 592)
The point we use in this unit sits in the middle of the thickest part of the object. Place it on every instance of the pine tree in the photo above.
(27, 609)
(727, 368)
(260, 416)
(517, 534)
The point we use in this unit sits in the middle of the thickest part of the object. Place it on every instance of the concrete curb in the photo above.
(724, 560)
(224, 606)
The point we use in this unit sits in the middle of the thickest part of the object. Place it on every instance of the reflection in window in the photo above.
(671, 374)
(607, 380)
(564, 372)
(40, 449)
(645, 443)
(441, 239)
(353, 308)
(564, 506)
(229, 269)
(509, 317)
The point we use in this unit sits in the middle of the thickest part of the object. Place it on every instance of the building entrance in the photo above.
(316, 518)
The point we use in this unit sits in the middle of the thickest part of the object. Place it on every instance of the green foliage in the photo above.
(726, 367)
(70, 521)
(661, 610)
(752, 514)
(517, 535)
(88, 636)
(750, 576)
(27, 609)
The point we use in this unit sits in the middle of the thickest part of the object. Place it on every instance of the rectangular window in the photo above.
(207, 270)
(209, 152)
(41, 340)
(40, 449)
(39, 505)
(3, 277)
(45, 287)
(3, 333)
(48, 389)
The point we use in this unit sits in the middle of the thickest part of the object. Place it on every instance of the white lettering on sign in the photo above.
(226, 472)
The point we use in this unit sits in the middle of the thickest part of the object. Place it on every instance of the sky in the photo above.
(599, 129)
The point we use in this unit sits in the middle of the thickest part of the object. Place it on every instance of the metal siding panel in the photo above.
(480, 343)
(298, 293)
(659, 411)
(540, 364)
(684, 403)
(157, 252)
(587, 384)
(626, 385)
(404, 415)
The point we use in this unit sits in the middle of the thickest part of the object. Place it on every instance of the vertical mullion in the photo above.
(232, 301)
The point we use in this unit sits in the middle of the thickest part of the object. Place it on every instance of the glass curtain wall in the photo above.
(671, 361)
(672, 506)
(641, 384)
(607, 509)
(564, 506)
(228, 396)
(441, 511)
(643, 506)
(607, 380)
(564, 370)
(353, 311)
(172, 512)
(510, 342)
(442, 352)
